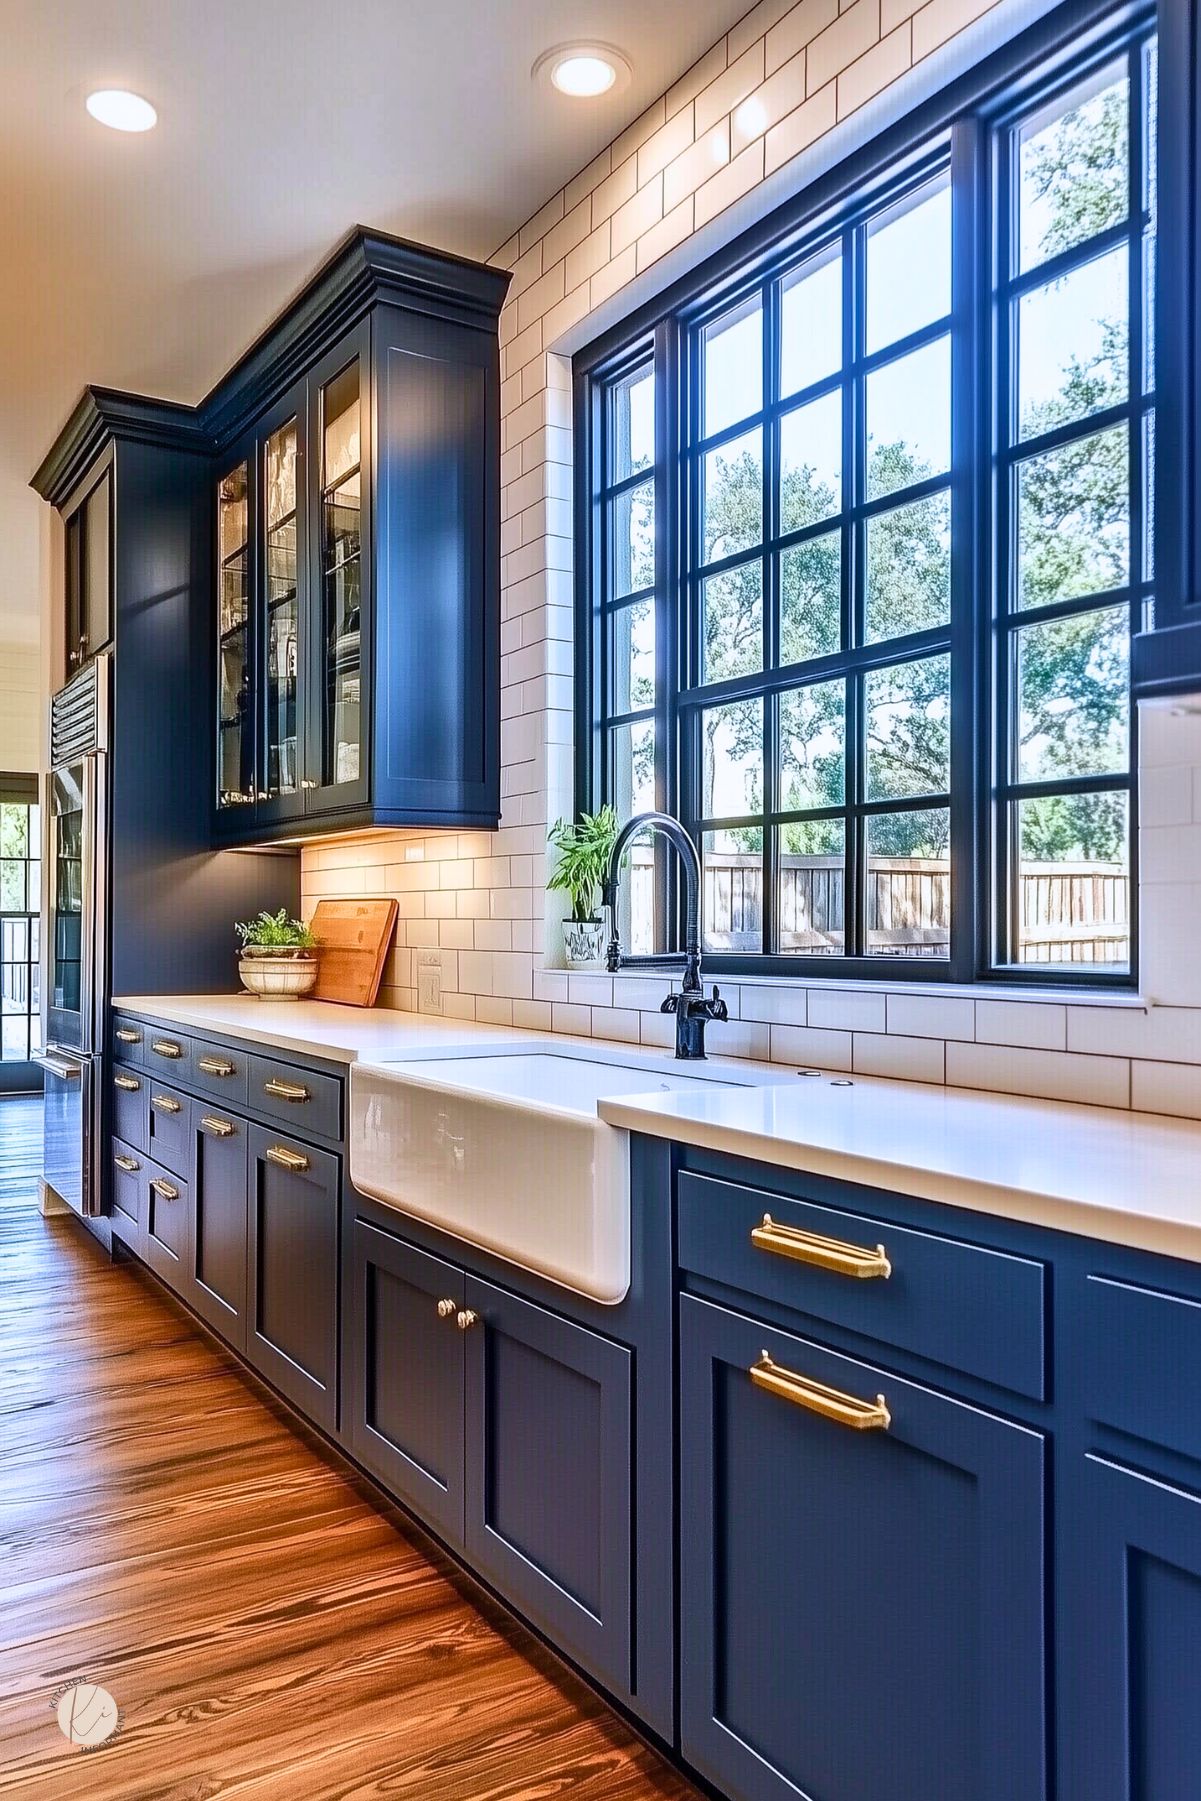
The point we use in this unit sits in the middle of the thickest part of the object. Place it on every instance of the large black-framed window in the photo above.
(864, 528)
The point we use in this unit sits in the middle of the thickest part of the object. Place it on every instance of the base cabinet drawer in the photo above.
(130, 1095)
(169, 1126)
(127, 1197)
(1130, 1678)
(218, 1249)
(862, 1610)
(127, 1037)
(292, 1298)
(302, 1100)
(403, 1374)
(166, 1198)
(218, 1071)
(549, 1474)
(1150, 1396)
(167, 1054)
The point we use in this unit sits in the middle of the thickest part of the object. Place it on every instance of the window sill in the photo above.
(979, 991)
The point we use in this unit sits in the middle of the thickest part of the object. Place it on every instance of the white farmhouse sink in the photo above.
(504, 1149)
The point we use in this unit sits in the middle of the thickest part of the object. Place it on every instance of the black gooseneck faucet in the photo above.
(693, 1010)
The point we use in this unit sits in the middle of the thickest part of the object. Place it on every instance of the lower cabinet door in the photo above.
(862, 1598)
(166, 1210)
(1130, 1621)
(217, 1264)
(292, 1300)
(127, 1197)
(403, 1374)
(549, 1474)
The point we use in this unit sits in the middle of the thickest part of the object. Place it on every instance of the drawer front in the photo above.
(299, 1099)
(1141, 1348)
(127, 1208)
(170, 1127)
(166, 1199)
(167, 1053)
(971, 1309)
(131, 1093)
(127, 1038)
(219, 1071)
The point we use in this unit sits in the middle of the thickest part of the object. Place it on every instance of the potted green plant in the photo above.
(278, 960)
(584, 847)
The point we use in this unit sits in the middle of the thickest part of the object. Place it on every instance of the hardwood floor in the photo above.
(267, 1632)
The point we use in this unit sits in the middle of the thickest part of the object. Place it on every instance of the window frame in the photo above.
(960, 130)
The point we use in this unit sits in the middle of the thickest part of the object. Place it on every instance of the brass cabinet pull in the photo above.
(129, 1083)
(166, 1047)
(220, 1128)
(165, 1104)
(276, 1153)
(124, 1035)
(467, 1318)
(215, 1066)
(168, 1190)
(822, 1253)
(445, 1309)
(831, 1403)
(128, 1164)
(285, 1091)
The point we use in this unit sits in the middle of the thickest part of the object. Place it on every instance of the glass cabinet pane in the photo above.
(235, 720)
(282, 608)
(341, 578)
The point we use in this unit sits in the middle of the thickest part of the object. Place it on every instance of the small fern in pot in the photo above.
(279, 956)
(584, 847)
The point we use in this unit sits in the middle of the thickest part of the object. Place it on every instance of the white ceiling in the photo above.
(150, 262)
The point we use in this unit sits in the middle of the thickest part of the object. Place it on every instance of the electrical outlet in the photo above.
(429, 982)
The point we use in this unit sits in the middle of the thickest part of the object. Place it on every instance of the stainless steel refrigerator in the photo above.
(76, 987)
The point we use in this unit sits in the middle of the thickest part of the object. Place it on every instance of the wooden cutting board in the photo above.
(353, 936)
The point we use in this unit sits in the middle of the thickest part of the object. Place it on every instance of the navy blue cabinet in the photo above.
(216, 1285)
(1132, 1712)
(403, 1374)
(862, 1610)
(292, 1298)
(550, 1473)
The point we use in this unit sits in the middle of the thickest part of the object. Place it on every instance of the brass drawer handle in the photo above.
(445, 1309)
(166, 1047)
(165, 1104)
(128, 1164)
(220, 1128)
(823, 1253)
(129, 1083)
(215, 1066)
(124, 1035)
(466, 1319)
(168, 1190)
(831, 1403)
(285, 1091)
(276, 1153)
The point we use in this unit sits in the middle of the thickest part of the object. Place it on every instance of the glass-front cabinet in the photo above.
(357, 548)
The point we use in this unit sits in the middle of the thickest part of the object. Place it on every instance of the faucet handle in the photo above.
(669, 1003)
(717, 1007)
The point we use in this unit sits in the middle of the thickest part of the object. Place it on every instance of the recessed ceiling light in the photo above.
(583, 71)
(121, 110)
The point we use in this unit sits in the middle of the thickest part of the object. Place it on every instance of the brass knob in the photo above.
(467, 1317)
(445, 1309)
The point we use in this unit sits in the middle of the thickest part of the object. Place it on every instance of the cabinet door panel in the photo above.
(1131, 1625)
(166, 1205)
(127, 1205)
(549, 1474)
(404, 1365)
(291, 1327)
(861, 1611)
(219, 1249)
(170, 1127)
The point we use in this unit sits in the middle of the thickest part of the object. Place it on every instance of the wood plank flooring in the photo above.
(267, 1632)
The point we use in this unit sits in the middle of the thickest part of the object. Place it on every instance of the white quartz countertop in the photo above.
(1127, 1178)
(314, 1028)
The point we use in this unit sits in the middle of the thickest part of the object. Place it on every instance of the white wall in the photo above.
(679, 179)
(20, 706)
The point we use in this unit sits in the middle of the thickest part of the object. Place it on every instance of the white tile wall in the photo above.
(477, 900)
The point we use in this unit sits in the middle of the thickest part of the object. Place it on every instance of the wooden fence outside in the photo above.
(1070, 912)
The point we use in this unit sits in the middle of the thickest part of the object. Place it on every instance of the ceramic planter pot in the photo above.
(584, 941)
(277, 974)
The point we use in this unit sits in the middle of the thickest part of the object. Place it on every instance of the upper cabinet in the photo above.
(356, 614)
(88, 573)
